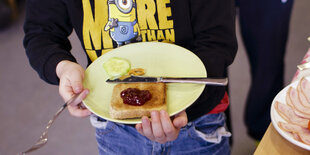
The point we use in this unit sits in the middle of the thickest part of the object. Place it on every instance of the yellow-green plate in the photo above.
(158, 59)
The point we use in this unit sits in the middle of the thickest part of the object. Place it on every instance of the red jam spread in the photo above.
(136, 97)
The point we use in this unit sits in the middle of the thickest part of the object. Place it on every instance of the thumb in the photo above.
(77, 82)
(75, 100)
(180, 119)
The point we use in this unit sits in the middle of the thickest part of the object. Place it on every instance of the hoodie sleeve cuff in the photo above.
(50, 75)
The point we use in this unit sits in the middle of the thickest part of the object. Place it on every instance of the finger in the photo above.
(76, 82)
(157, 127)
(147, 129)
(65, 89)
(75, 107)
(180, 119)
(167, 125)
(139, 129)
(75, 100)
(77, 112)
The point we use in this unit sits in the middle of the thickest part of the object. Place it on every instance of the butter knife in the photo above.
(195, 80)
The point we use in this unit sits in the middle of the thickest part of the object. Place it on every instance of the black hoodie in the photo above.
(205, 27)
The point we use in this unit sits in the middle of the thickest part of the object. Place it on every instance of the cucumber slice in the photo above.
(116, 67)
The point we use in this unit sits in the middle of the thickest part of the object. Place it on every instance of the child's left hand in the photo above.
(162, 129)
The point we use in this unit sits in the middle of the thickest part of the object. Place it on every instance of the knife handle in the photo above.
(207, 81)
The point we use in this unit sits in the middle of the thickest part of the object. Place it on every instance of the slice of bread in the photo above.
(120, 110)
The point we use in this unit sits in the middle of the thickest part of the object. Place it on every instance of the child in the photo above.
(206, 27)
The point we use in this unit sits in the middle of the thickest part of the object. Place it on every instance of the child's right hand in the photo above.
(71, 77)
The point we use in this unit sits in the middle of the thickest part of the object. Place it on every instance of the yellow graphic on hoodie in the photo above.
(125, 21)
(122, 21)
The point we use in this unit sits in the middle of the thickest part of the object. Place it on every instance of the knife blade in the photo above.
(195, 80)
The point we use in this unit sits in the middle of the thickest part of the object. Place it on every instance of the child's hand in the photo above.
(162, 129)
(71, 77)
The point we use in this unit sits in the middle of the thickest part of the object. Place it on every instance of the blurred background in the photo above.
(27, 103)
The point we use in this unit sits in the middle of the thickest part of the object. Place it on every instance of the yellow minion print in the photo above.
(122, 22)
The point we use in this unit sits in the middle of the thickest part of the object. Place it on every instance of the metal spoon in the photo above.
(43, 138)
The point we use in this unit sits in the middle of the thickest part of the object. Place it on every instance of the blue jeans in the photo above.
(205, 135)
